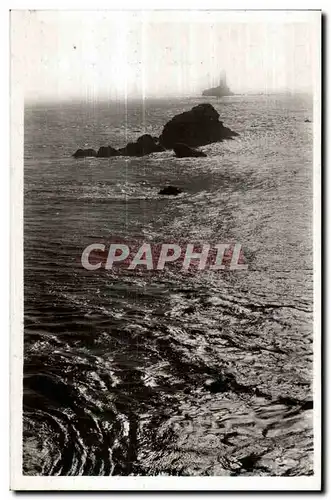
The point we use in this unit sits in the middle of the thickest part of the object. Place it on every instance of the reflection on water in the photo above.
(172, 372)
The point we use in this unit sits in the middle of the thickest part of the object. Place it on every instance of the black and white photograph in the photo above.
(165, 308)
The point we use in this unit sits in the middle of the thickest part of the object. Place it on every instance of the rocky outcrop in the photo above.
(145, 145)
(170, 190)
(184, 151)
(107, 152)
(196, 127)
(84, 153)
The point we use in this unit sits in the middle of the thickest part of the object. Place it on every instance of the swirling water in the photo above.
(175, 373)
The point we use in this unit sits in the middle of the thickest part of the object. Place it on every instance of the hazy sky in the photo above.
(107, 54)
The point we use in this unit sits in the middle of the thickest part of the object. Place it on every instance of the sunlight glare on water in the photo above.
(205, 373)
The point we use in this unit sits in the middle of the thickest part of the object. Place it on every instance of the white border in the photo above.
(20, 482)
(317, 243)
(162, 483)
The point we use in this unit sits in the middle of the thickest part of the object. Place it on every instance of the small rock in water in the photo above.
(170, 190)
(223, 383)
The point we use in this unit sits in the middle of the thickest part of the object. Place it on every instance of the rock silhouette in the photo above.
(184, 151)
(84, 153)
(196, 127)
(144, 145)
(107, 152)
(170, 190)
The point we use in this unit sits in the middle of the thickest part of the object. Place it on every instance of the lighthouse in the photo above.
(221, 90)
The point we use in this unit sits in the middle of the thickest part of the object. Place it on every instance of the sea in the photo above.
(173, 372)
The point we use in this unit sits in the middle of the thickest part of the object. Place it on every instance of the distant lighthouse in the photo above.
(223, 79)
(221, 90)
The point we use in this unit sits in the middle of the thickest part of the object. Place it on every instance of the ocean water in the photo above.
(173, 372)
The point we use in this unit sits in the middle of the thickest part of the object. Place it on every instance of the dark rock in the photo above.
(249, 462)
(189, 310)
(129, 150)
(196, 127)
(144, 145)
(83, 153)
(307, 405)
(184, 151)
(307, 120)
(107, 152)
(149, 143)
(224, 383)
(170, 190)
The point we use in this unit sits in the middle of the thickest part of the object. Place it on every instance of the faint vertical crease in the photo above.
(143, 81)
(125, 39)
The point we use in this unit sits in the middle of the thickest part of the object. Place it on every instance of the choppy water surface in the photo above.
(201, 373)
